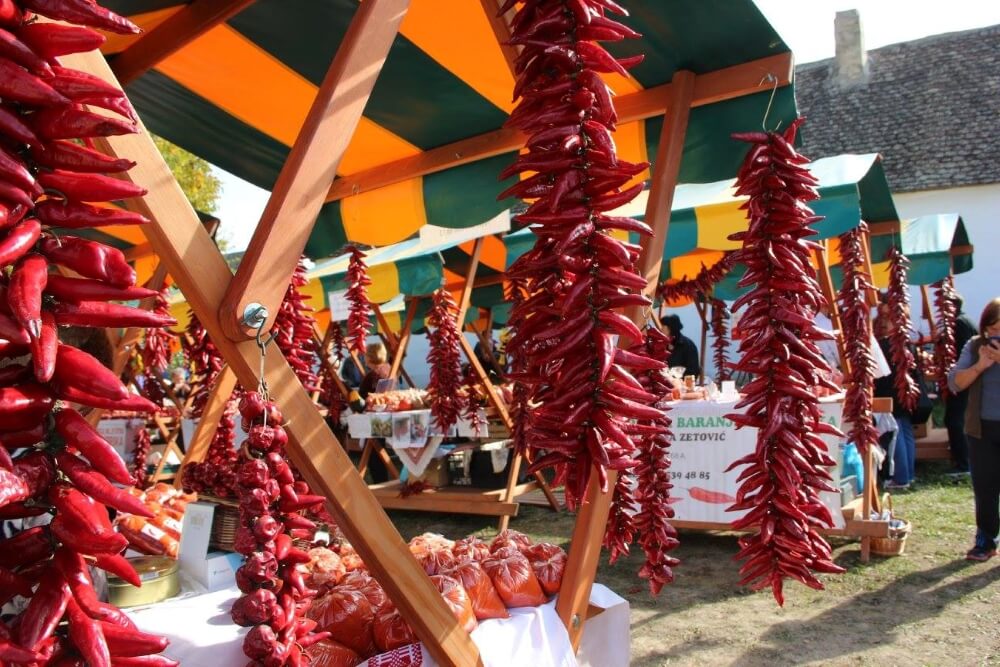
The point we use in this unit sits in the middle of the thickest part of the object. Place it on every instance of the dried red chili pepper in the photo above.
(85, 632)
(77, 369)
(720, 342)
(67, 155)
(69, 122)
(78, 215)
(19, 85)
(360, 310)
(945, 353)
(901, 331)
(82, 12)
(90, 259)
(108, 315)
(51, 40)
(89, 187)
(78, 433)
(24, 292)
(787, 470)
(23, 407)
(98, 487)
(139, 457)
(17, 51)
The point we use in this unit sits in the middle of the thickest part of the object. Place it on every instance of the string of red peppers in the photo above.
(641, 502)
(155, 350)
(293, 330)
(700, 284)
(216, 475)
(275, 595)
(789, 466)
(360, 309)
(902, 357)
(444, 358)
(205, 362)
(142, 445)
(720, 338)
(855, 323)
(581, 389)
(945, 353)
(65, 467)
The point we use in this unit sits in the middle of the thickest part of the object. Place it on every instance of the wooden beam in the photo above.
(288, 219)
(724, 84)
(826, 285)
(203, 276)
(501, 29)
(884, 228)
(928, 312)
(480, 281)
(585, 546)
(871, 295)
(491, 391)
(404, 339)
(215, 408)
(181, 28)
(960, 250)
(470, 279)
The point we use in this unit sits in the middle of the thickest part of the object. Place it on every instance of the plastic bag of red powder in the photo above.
(509, 538)
(486, 602)
(458, 600)
(436, 560)
(391, 629)
(348, 616)
(514, 579)
(471, 547)
(362, 581)
(548, 562)
(329, 653)
(325, 570)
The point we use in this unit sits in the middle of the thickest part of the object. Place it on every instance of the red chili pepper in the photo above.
(77, 509)
(19, 241)
(51, 40)
(18, 85)
(144, 661)
(22, 438)
(14, 195)
(83, 12)
(25, 548)
(708, 496)
(79, 290)
(74, 157)
(43, 348)
(24, 293)
(87, 636)
(75, 368)
(10, 13)
(110, 315)
(119, 566)
(132, 403)
(123, 642)
(11, 331)
(86, 541)
(24, 406)
(37, 472)
(78, 215)
(69, 122)
(90, 259)
(11, 585)
(78, 433)
(89, 187)
(14, 170)
(14, 128)
(73, 570)
(44, 611)
(80, 86)
(12, 653)
(14, 49)
(99, 488)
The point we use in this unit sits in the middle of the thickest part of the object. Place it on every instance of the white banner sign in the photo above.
(705, 444)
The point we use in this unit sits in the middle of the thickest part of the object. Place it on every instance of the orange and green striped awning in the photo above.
(238, 94)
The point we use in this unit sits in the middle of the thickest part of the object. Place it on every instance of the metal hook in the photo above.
(772, 78)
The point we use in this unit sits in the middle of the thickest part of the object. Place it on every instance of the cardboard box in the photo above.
(211, 569)
(436, 473)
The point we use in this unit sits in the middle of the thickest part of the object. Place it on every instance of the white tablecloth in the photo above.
(202, 634)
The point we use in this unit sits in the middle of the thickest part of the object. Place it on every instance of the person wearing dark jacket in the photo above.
(955, 403)
(685, 352)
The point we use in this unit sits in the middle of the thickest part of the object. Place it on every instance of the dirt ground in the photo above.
(927, 607)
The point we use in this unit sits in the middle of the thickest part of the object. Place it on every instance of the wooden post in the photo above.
(298, 194)
(585, 547)
(928, 311)
(203, 276)
(391, 341)
(215, 408)
(826, 284)
(404, 339)
(470, 279)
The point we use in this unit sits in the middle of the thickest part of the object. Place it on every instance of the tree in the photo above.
(194, 175)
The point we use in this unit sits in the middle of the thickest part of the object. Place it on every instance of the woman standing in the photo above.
(978, 371)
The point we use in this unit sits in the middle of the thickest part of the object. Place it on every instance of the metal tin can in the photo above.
(160, 581)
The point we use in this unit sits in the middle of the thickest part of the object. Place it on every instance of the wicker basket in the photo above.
(895, 543)
(225, 523)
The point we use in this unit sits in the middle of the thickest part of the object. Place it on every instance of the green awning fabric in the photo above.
(929, 243)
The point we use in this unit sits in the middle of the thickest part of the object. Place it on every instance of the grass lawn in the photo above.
(927, 607)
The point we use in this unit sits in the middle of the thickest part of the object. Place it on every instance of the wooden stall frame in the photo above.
(216, 295)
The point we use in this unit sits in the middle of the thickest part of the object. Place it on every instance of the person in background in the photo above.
(955, 403)
(905, 452)
(376, 359)
(978, 372)
(349, 372)
(685, 352)
(179, 383)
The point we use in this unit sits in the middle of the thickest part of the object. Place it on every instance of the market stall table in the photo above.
(202, 634)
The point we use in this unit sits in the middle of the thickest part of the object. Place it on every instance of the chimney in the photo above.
(852, 62)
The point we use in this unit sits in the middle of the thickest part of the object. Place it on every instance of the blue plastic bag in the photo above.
(853, 466)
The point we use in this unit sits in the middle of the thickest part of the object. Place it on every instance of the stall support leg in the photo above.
(585, 548)
(215, 408)
(826, 284)
(404, 339)
(470, 279)
(928, 313)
